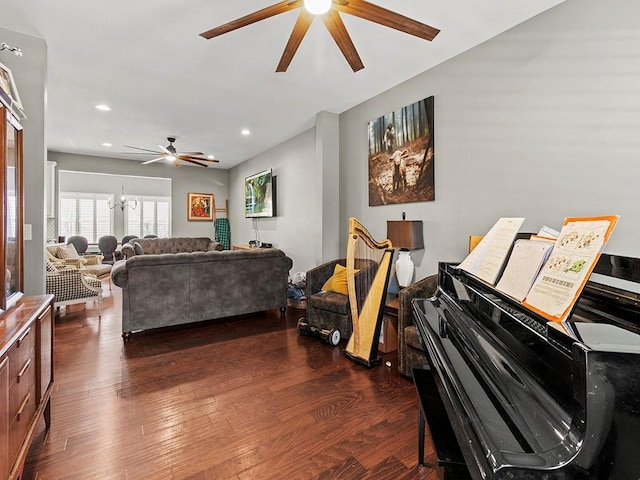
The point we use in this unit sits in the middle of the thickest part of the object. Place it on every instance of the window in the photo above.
(86, 214)
(152, 217)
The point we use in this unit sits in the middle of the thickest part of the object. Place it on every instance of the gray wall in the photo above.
(541, 121)
(29, 72)
(183, 180)
(296, 229)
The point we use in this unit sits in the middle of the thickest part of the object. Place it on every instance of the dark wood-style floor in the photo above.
(242, 398)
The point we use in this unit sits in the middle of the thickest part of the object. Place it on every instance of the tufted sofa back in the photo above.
(154, 246)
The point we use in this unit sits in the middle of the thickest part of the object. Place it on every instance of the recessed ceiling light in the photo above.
(103, 107)
(105, 144)
(245, 131)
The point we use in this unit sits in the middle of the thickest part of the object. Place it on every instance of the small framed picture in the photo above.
(200, 206)
(8, 85)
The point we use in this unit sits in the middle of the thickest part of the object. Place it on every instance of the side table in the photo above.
(244, 246)
(389, 330)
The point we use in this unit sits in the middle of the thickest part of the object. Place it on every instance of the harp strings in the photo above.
(364, 255)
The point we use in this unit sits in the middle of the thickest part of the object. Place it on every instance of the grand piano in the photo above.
(531, 399)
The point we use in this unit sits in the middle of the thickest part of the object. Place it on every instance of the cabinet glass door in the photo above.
(12, 212)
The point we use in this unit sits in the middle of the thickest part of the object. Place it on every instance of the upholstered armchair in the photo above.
(411, 353)
(79, 242)
(70, 285)
(108, 245)
(61, 256)
(327, 309)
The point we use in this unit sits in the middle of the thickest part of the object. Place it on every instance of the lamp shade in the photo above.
(405, 234)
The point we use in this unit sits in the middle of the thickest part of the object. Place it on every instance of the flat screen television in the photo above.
(260, 195)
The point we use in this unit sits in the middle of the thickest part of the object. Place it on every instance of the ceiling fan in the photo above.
(170, 153)
(328, 10)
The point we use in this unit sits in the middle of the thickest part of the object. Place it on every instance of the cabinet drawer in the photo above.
(21, 352)
(20, 422)
(22, 385)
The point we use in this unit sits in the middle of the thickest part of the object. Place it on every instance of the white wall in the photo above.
(297, 227)
(183, 180)
(542, 121)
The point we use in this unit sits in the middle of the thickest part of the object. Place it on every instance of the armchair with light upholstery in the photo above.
(70, 285)
(60, 255)
(411, 353)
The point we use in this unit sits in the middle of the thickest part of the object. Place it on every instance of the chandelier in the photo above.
(123, 203)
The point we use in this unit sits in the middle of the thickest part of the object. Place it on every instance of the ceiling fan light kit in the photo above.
(329, 11)
(317, 7)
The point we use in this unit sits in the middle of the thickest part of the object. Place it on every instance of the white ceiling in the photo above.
(146, 60)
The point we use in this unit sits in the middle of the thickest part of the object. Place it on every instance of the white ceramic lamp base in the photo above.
(404, 268)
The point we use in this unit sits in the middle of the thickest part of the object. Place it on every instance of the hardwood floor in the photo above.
(242, 398)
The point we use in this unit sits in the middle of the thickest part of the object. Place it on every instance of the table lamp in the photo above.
(405, 235)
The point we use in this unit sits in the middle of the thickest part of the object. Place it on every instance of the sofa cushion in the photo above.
(51, 267)
(411, 337)
(67, 251)
(330, 301)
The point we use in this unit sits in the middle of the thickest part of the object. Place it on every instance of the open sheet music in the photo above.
(525, 262)
(567, 270)
(487, 259)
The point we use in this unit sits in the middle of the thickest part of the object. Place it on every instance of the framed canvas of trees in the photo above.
(402, 155)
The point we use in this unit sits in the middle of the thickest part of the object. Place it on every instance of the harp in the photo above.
(368, 267)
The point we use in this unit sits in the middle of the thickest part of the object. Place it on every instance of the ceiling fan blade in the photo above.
(299, 31)
(143, 149)
(153, 160)
(263, 14)
(165, 150)
(338, 31)
(135, 153)
(382, 16)
(199, 159)
(190, 153)
(186, 159)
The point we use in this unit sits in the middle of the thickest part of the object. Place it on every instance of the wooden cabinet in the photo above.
(26, 377)
(4, 416)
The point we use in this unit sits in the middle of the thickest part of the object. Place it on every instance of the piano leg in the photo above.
(420, 435)
(431, 411)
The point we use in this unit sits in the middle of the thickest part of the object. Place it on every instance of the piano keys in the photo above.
(531, 399)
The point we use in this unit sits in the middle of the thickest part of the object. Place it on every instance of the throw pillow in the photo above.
(338, 281)
(67, 251)
(138, 248)
(51, 267)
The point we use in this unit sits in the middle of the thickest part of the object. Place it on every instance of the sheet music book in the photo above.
(487, 259)
(523, 266)
(574, 255)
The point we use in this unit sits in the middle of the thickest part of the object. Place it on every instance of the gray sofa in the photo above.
(160, 290)
(169, 245)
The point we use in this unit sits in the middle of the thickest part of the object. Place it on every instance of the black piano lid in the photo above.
(612, 296)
